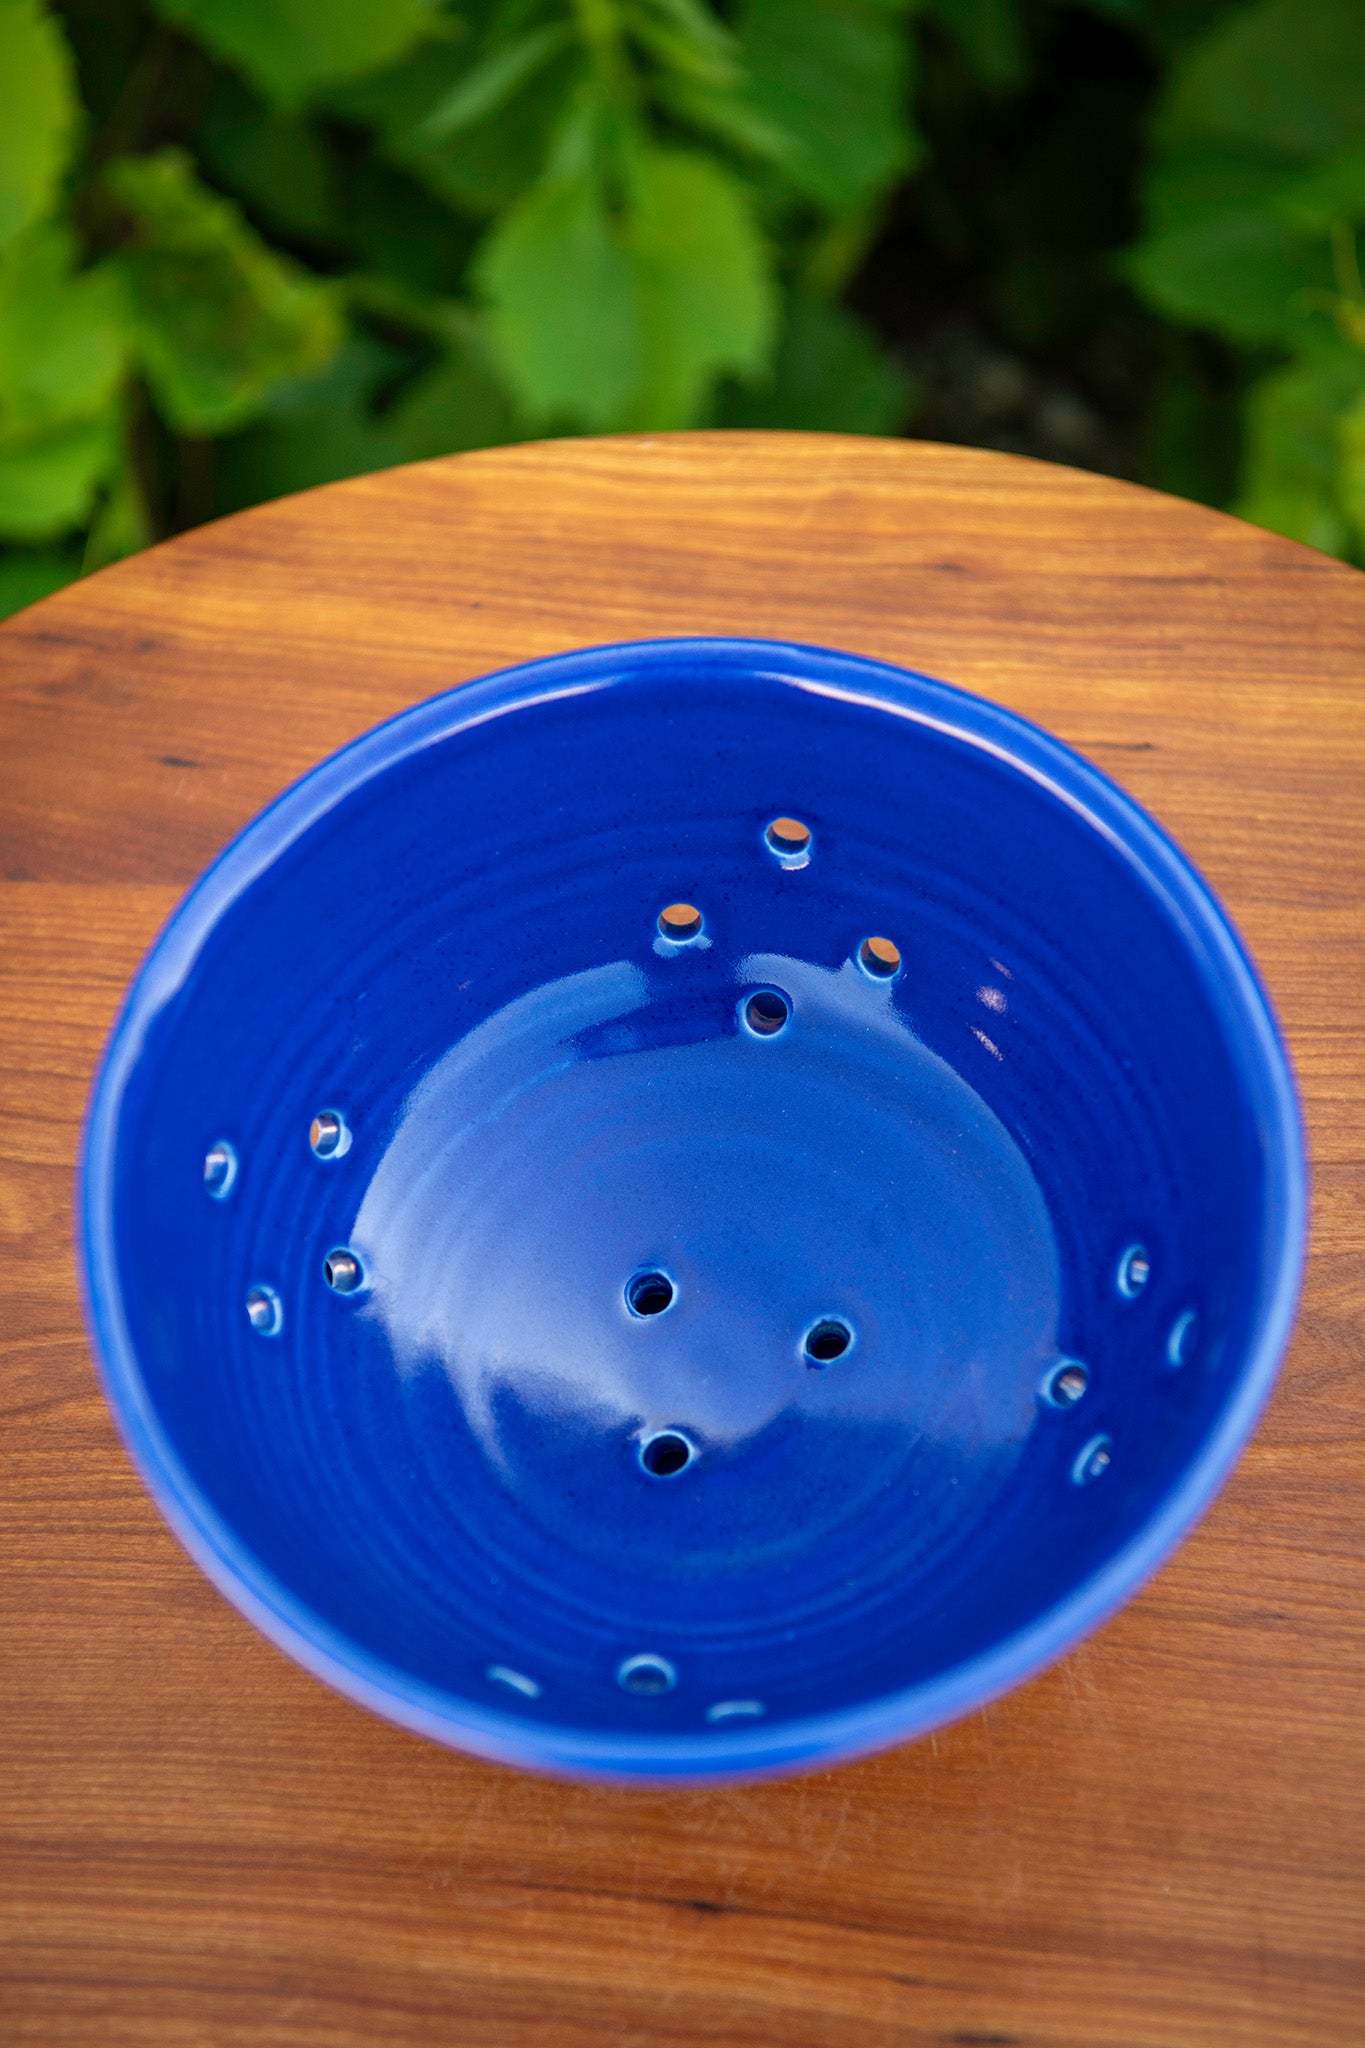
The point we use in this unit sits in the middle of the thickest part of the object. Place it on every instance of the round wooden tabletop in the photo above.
(1161, 1842)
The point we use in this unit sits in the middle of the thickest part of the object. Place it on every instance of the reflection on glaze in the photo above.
(840, 1168)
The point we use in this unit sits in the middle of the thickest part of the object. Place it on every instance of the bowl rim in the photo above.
(755, 1749)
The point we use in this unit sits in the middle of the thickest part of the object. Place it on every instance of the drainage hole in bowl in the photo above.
(220, 1169)
(1093, 1461)
(649, 1294)
(826, 1340)
(341, 1270)
(790, 840)
(680, 922)
(1066, 1382)
(881, 958)
(329, 1134)
(766, 1011)
(646, 1674)
(264, 1311)
(666, 1455)
(1135, 1270)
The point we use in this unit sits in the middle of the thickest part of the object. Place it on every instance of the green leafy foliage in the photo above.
(828, 376)
(991, 35)
(1241, 270)
(704, 295)
(1285, 78)
(248, 246)
(313, 430)
(1350, 478)
(62, 333)
(497, 78)
(27, 575)
(1300, 442)
(63, 340)
(560, 283)
(48, 478)
(277, 163)
(38, 113)
(1253, 205)
(292, 47)
(622, 311)
(217, 318)
(832, 75)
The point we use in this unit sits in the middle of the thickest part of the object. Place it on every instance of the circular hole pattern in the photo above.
(790, 840)
(264, 1311)
(680, 922)
(341, 1271)
(666, 1455)
(766, 1011)
(220, 1169)
(881, 958)
(1134, 1271)
(1180, 1343)
(1093, 1461)
(828, 1339)
(1066, 1383)
(329, 1134)
(649, 1294)
(646, 1674)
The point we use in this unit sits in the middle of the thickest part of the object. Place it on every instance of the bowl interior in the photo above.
(589, 1289)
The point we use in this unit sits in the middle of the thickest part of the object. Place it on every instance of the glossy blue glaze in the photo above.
(505, 1397)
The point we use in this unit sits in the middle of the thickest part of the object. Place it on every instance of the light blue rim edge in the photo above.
(1253, 1041)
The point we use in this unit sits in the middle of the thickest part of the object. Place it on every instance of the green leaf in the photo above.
(480, 169)
(63, 336)
(989, 34)
(829, 376)
(1351, 471)
(457, 404)
(400, 95)
(1242, 273)
(278, 165)
(1293, 480)
(711, 44)
(219, 319)
(561, 292)
(290, 48)
(1193, 438)
(1287, 76)
(686, 41)
(705, 290)
(49, 478)
(834, 74)
(1202, 181)
(1333, 193)
(314, 430)
(120, 527)
(30, 573)
(396, 226)
(610, 320)
(728, 118)
(485, 88)
(63, 343)
(41, 112)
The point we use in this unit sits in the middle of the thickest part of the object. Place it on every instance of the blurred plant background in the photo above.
(252, 245)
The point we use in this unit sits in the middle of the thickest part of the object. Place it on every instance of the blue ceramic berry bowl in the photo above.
(691, 1209)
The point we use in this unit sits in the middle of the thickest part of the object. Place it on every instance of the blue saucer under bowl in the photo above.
(691, 1209)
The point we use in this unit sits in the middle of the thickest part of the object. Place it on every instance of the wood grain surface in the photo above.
(1158, 1844)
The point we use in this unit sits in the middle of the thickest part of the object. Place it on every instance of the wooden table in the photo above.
(1161, 1842)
